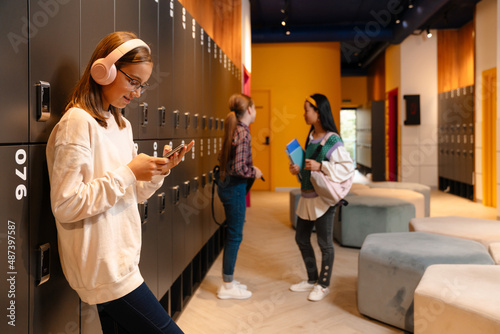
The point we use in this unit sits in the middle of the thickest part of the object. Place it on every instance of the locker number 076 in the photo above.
(21, 190)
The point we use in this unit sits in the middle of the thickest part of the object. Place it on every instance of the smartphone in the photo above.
(177, 149)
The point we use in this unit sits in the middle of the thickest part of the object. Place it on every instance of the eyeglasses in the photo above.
(135, 84)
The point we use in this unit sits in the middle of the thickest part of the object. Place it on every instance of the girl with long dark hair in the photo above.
(312, 211)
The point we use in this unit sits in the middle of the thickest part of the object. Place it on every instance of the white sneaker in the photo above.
(302, 287)
(318, 293)
(236, 292)
(241, 286)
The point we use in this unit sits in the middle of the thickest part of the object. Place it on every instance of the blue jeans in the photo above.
(232, 193)
(324, 233)
(139, 312)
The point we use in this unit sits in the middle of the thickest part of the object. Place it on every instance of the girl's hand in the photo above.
(312, 165)
(145, 167)
(258, 173)
(294, 169)
(175, 159)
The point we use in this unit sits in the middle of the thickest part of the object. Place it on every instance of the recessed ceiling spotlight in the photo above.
(283, 23)
(287, 32)
(429, 34)
(410, 4)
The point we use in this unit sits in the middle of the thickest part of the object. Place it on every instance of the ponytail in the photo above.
(238, 104)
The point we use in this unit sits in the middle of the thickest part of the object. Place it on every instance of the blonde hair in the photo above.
(238, 104)
(88, 94)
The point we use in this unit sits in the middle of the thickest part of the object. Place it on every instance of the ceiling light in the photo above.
(429, 34)
(410, 4)
(287, 32)
(283, 23)
(398, 21)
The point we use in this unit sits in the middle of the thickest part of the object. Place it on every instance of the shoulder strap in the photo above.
(323, 142)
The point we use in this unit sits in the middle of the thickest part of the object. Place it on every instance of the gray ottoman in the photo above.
(392, 264)
(420, 188)
(371, 214)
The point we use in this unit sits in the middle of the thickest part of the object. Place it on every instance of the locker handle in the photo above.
(203, 180)
(143, 210)
(144, 113)
(210, 176)
(195, 184)
(176, 118)
(204, 122)
(187, 119)
(175, 195)
(161, 111)
(195, 121)
(43, 264)
(42, 101)
(186, 189)
(163, 204)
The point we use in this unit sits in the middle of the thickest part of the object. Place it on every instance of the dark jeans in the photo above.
(324, 233)
(233, 197)
(139, 312)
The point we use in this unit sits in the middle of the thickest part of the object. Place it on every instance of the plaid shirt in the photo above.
(241, 153)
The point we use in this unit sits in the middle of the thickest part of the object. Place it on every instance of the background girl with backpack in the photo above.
(324, 152)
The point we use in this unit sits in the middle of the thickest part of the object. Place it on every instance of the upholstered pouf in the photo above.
(458, 299)
(392, 264)
(485, 231)
(420, 188)
(294, 201)
(371, 214)
(417, 199)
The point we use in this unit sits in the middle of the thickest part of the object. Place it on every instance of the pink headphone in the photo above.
(103, 70)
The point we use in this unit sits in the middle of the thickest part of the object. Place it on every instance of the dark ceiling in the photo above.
(365, 28)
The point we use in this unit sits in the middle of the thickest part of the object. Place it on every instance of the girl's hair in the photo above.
(238, 104)
(88, 94)
(325, 114)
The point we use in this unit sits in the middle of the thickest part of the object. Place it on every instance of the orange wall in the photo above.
(292, 71)
(354, 91)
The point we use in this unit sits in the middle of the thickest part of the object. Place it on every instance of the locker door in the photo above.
(55, 305)
(207, 85)
(181, 35)
(97, 21)
(14, 57)
(165, 238)
(14, 246)
(165, 68)
(148, 102)
(198, 81)
(127, 19)
(54, 58)
(189, 70)
(149, 211)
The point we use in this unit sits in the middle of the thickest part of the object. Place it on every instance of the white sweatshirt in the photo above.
(94, 198)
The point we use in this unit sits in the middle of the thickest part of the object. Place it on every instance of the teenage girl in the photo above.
(97, 179)
(236, 172)
(335, 162)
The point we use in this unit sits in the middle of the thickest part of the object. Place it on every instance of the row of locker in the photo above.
(48, 46)
(178, 239)
(456, 141)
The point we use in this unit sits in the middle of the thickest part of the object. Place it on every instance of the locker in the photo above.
(149, 212)
(97, 21)
(126, 15)
(165, 69)
(55, 305)
(175, 198)
(207, 84)
(14, 56)
(181, 34)
(14, 240)
(147, 104)
(199, 57)
(54, 58)
(189, 119)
